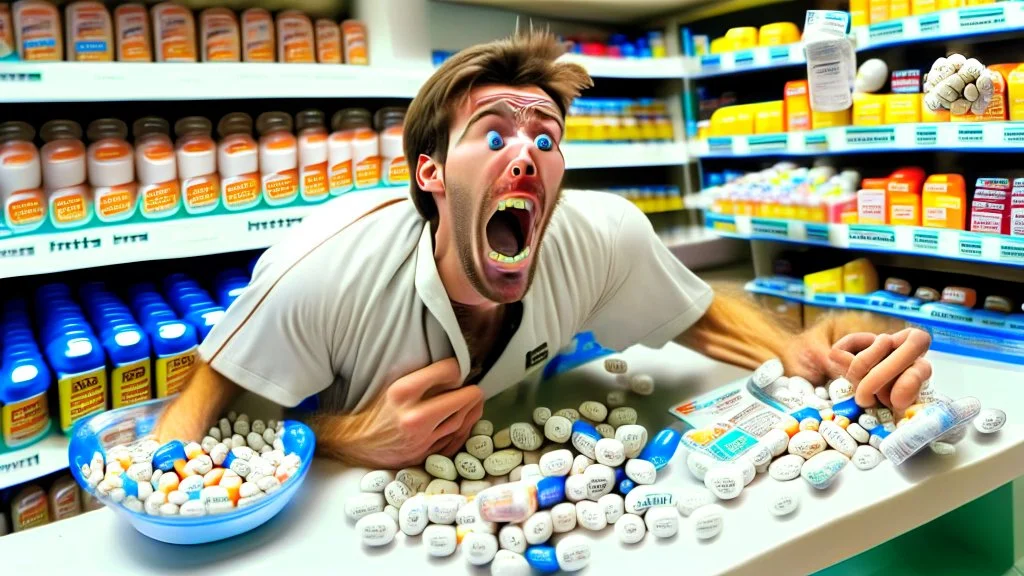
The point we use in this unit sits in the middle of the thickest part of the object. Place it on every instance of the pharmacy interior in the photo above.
(816, 158)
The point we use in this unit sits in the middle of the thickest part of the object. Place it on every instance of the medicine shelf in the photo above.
(943, 25)
(44, 457)
(670, 67)
(918, 241)
(121, 81)
(921, 137)
(588, 155)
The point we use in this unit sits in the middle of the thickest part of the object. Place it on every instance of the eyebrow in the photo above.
(502, 108)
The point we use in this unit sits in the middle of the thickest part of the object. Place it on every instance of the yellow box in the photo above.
(1015, 93)
(768, 118)
(950, 4)
(742, 38)
(859, 277)
(878, 11)
(979, 2)
(719, 45)
(797, 106)
(830, 119)
(778, 33)
(868, 109)
(903, 108)
(997, 108)
(899, 9)
(904, 209)
(825, 282)
(859, 13)
(733, 120)
(940, 115)
(923, 6)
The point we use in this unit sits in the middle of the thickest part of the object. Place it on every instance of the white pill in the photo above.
(725, 481)
(663, 521)
(641, 384)
(821, 392)
(470, 488)
(525, 436)
(484, 427)
(807, 443)
(269, 484)
(225, 429)
(503, 461)
(767, 373)
(884, 415)
(242, 428)
(641, 471)
(169, 509)
(867, 422)
(255, 441)
(219, 453)
(858, 433)
(746, 469)
(134, 504)
(990, 420)
(248, 489)
(800, 386)
(412, 516)
(630, 529)
(699, 463)
(376, 480)
(777, 441)
(610, 452)
(243, 417)
(258, 426)
(509, 563)
(440, 540)
(440, 466)
(708, 521)
(784, 502)
(177, 497)
(840, 389)
(580, 464)
(615, 398)
(563, 517)
(621, 416)
(821, 470)
(511, 537)
(590, 515)
(576, 488)
(238, 441)
(376, 529)
(760, 455)
(595, 411)
(269, 436)
(557, 463)
(616, 365)
(558, 429)
(502, 439)
(786, 468)
(570, 414)
(600, 480)
(469, 467)
(584, 444)
(538, 528)
(692, 498)
(415, 478)
(389, 510)
(439, 486)
(942, 448)
(364, 504)
(614, 507)
(215, 434)
(837, 438)
(530, 472)
(274, 425)
(633, 438)
(479, 548)
(442, 508)
(605, 430)
(118, 495)
(541, 415)
(397, 493)
(866, 457)
(573, 553)
(189, 508)
(814, 402)
(642, 498)
(480, 446)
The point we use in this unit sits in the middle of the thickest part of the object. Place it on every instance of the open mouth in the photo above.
(510, 230)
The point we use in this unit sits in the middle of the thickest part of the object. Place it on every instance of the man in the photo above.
(402, 316)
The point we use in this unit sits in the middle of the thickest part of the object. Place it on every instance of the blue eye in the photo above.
(544, 142)
(494, 141)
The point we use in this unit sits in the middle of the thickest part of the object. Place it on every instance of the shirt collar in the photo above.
(435, 297)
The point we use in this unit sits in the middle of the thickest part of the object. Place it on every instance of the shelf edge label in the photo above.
(973, 18)
(873, 236)
(870, 136)
(970, 134)
(1011, 250)
(768, 142)
(885, 31)
(778, 53)
(928, 24)
(774, 228)
(720, 223)
(926, 135)
(1013, 135)
(927, 240)
(720, 144)
(817, 233)
(969, 247)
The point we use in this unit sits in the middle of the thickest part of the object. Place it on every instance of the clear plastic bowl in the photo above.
(126, 425)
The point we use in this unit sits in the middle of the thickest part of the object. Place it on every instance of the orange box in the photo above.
(874, 184)
(796, 105)
(940, 115)
(830, 119)
(944, 202)
(1015, 93)
(904, 209)
(997, 110)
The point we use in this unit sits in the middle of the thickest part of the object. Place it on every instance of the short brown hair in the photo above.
(524, 59)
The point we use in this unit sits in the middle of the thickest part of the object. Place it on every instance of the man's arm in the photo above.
(198, 406)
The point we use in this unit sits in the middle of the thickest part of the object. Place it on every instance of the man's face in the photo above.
(502, 181)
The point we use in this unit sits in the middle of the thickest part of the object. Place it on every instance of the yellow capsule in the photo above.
(809, 424)
(841, 421)
(913, 410)
(827, 414)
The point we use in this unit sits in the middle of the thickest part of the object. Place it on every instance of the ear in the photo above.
(429, 175)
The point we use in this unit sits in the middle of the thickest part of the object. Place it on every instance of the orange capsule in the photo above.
(125, 460)
(789, 425)
(232, 484)
(841, 421)
(213, 477)
(179, 467)
(827, 414)
(913, 410)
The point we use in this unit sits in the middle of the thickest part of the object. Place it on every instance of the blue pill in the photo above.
(166, 455)
(581, 427)
(625, 486)
(806, 412)
(848, 408)
(620, 475)
(660, 449)
(131, 487)
(550, 491)
(542, 559)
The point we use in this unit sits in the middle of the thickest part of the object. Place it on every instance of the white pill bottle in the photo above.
(111, 169)
(157, 168)
(63, 157)
(22, 198)
(356, 125)
(394, 169)
(279, 158)
(174, 33)
(831, 63)
(238, 162)
(196, 153)
(339, 155)
(312, 142)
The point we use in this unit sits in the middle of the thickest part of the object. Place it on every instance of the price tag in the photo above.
(817, 233)
(872, 236)
(827, 299)
(815, 141)
(970, 134)
(720, 144)
(743, 58)
(20, 76)
(771, 228)
(926, 135)
(711, 61)
(975, 18)
(1013, 135)
(928, 24)
(855, 300)
(867, 137)
(768, 142)
(885, 31)
(969, 247)
(926, 240)
(1011, 250)
(777, 54)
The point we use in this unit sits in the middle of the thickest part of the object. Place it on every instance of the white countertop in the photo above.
(862, 509)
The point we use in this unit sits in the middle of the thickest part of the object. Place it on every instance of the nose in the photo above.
(522, 167)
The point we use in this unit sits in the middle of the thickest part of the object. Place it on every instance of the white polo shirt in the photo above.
(352, 300)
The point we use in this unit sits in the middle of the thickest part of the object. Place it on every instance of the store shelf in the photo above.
(700, 248)
(664, 68)
(1005, 137)
(579, 156)
(759, 58)
(120, 81)
(918, 241)
(38, 460)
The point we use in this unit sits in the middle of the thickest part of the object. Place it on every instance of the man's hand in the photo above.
(422, 413)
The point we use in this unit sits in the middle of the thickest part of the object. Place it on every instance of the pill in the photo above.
(600, 480)
(364, 504)
(641, 471)
(767, 373)
(610, 452)
(760, 455)
(189, 508)
(168, 482)
(821, 469)
(225, 428)
(867, 422)
(725, 481)
(621, 416)
(630, 529)
(484, 427)
(192, 486)
(776, 440)
(812, 401)
(605, 430)
(525, 436)
(248, 489)
(573, 553)
(470, 488)
(809, 424)
(800, 386)
(530, 472)
(442, 508)
(516, 474)
(558, 429)
(502, 462)
(177, 497)
(541, 415)
(479, 548)
(786, 468)
(580, 464)
(633, 438)
(469, 467)
(576, 487)
(268, 484)
(219, 453)
(396, 493)
(415, 478)
(641, 384)
(789, 425)
(440, 540)
(255, 441)
(412, 515)
(989, 420)
(784, 502)
(662, 522)
(616, 365)
(557, 463)
(389, 509)
(584, 438)
(258, 426)
(590, 515)
(511, 537)
(502, 438)
(942, 448)
(699, 463)
(441, 486)
(440, 466)
(570, 414)
(376, 529)
(838, 438)
(708, 521)
(542, 559)
(215, 434)
(269, 437)
(615, 399)
(593, 410)
(866, 457)
(839, 389)
(480, 446)
(154, 502)
(884, 415)
(746, 468)
(563, 517)
(237, 441)
(242, 428)
(661, 448)
(538, 527)
(807, 443)
(858, 433)
(641, 498)
(613, 506)
(821, 392)
(376, 480)
(509, 563)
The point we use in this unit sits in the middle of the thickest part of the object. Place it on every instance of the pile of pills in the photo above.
(234, 466)
(958, 84)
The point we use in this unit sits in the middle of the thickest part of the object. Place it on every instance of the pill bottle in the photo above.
(295, 38)
(355, 44)
(29, 508)
(238, 162)
(24, 411)
(339, 155)
(156, 168)
(8, 52)
(63, 160)
(312, 143)
(831, 63)
(394, 169)
(365, 145)
(279, 158)
(174, 33)
(110, 163)
(174, 352)
(196, 154)
(257, 36)
(75, 355)
(328, 41)
(65, 499)
(218, 36)
(90, 33)
(37, 31)
(128, 349)
(23, 200)
(134, 42)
